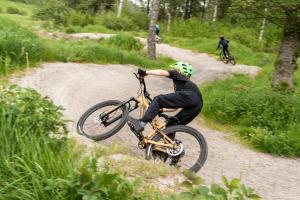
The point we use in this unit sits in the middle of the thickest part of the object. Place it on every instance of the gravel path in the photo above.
(78, 86)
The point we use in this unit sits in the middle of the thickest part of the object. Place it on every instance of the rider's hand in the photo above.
(142, 72)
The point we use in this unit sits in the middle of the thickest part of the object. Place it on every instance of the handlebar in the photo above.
(142, 82)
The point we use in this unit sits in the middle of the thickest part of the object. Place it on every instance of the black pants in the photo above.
(225, 51)
(157, 31)
(190, 102)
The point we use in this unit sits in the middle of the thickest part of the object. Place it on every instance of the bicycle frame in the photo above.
(142, 102)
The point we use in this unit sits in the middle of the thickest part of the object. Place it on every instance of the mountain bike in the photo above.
(157, 39)
(227, 59)
(177, 145)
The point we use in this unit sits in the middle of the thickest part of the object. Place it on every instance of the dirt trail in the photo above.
(78, 86)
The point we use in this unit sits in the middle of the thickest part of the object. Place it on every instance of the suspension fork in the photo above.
(104, 116)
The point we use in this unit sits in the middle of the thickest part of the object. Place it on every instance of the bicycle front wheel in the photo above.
(232, 60)
(223, 58)
(103, 120)
(192, 148)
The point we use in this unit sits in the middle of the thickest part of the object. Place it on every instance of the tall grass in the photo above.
(37, 161)
(101, 52)
(268, 119)
(18, 47)
(30, 161)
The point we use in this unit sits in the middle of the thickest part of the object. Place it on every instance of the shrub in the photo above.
(119, 24)
(268, 119)
(15, 10)
(54, 10)
(18, 46)
(194, 188)
(87, 51)
(79, 19)
(36, 162)
(125, 41)
(28, 154)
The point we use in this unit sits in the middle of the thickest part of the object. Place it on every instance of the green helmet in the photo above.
(184, 68)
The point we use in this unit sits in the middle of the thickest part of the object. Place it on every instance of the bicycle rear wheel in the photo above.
(191, 144)
(97, 124)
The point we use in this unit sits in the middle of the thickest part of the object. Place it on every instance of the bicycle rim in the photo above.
(194, 145)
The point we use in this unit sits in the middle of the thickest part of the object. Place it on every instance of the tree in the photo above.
(120, 6)
(153, 15)
(286, 14)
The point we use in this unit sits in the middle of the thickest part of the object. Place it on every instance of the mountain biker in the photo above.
(186, 96)
(157, 29)
(224, 43)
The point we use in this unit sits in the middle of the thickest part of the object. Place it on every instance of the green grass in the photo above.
(25, 21)
(267, 119)
(37, 161)
(20, 48)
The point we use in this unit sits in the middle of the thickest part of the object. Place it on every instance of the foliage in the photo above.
(15, 10)
(31, 160)
(92, 184)
(196, 189)
(118, 24)
(53, 10)
(125, 41)
(267, 119)
(79, 19)
(280, 12)
(90, 51)
(202, 30)
(17, 46)
(38, 162)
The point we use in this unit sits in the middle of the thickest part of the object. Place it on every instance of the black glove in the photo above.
(142, 72)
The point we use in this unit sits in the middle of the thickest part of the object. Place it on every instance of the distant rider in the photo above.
(157, 29)
(224, 43)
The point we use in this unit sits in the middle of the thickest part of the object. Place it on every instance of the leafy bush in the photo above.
(269, 119)
(15, 10)
(79, 19)
(54, 10)
(195, 189)
(119, 24)
(92, 184)
(90, 51)
(31, 160)
(125, 41)
(38, 162)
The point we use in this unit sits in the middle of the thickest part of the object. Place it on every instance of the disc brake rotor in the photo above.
(179, 149)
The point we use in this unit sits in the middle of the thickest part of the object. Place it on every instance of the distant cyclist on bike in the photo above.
(186, 96)
(224, 43)
(157, 29)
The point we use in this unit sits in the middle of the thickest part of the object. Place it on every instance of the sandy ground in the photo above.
(77, 87)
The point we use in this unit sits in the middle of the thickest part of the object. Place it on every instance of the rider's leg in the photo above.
(173, 100)
(185, 116)
(225, 50)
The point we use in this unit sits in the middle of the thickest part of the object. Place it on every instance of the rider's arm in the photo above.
(158, 72)
(219, 45)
